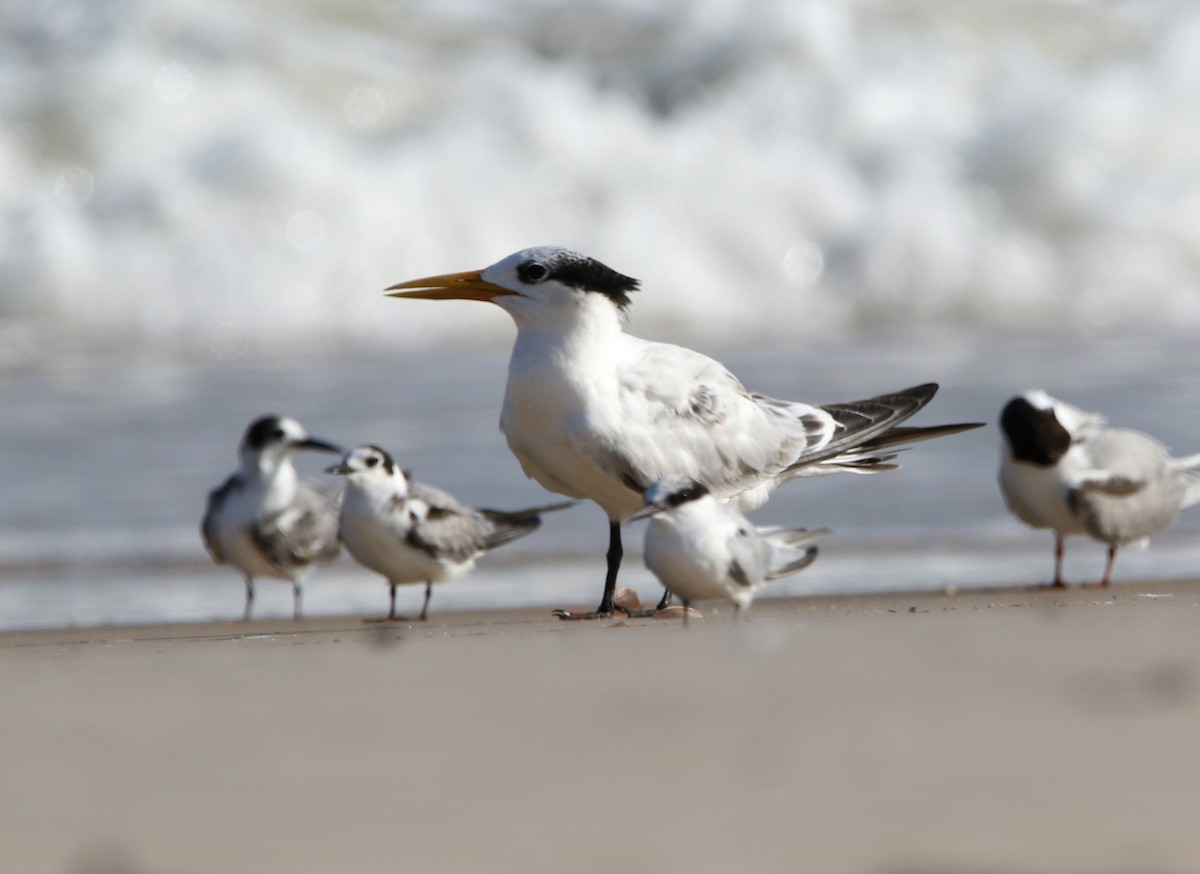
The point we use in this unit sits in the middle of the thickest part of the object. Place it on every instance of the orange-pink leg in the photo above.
(1058, 561)
(1108, 568)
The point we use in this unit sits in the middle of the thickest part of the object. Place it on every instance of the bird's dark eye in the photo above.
(372, 460)
(277, 434)
(532, 271)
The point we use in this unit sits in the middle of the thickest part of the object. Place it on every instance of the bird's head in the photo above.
(537, 286)
(668, 493)
(1039, 429)
(271, 439)
(369, 464)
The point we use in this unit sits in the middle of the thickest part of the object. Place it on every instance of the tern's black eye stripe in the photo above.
(692, 492)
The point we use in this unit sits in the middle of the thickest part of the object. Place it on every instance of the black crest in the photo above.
(1035, 434)
(583, 273)
(263, 431)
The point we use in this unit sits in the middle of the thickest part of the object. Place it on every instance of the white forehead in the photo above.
(1078, 422)
(1039, 399)
(362, 453)
(544, 254)
(292, 429)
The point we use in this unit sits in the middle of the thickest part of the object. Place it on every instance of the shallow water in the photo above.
(110, 460)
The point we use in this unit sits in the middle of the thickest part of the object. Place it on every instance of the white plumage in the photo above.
(414, 533)
(1061, 468)
(264, 520)
(702, 550)
(592, 412)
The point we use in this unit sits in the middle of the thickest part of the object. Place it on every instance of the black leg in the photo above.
(425, 607)
(249, 598)
(391, 616)
(614, 556)
(686, 609)
(296, 597)
(665, 602)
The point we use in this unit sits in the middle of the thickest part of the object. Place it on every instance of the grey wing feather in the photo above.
(793, 538)
(798, 564)
(1188, 469)
(450, 529)
(866, 426)
(208, 526)
(447, 534)
(306, 532)
(508, 526)
(859, 422)
(787, 557)
(748, 565)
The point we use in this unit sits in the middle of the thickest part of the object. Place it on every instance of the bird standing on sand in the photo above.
(702, 550)
(1061, 468)
(264, 520)
(592, 412)
(414, 533)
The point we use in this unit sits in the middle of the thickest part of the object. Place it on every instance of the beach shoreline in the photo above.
(1009, 730)
(451, 622)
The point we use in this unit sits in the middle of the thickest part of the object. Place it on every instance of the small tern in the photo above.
(1062, 468)
(701, 549)
(414, 533)
(264, 520)
(592, 412)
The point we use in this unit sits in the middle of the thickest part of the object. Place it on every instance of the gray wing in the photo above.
(1123, 462)
(508, 526)
(208, 526)
(748, 557)
(1188, 470)
(862, 428)
(683, 413)
(305, 532)
(799, 562)
(788, 549)
(450, 529)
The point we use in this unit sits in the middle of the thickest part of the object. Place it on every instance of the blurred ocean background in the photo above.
(201, 202)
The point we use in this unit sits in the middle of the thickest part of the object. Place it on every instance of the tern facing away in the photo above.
(592, 412)
(701, 549)
(264, 520)
(1061, 468)
(414, 533)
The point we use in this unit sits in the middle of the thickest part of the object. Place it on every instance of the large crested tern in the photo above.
(702, 550)
(592, 412)
(1062, 469)
(264, 520)
(414, 533)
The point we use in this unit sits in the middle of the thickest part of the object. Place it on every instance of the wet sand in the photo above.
(1000, 732)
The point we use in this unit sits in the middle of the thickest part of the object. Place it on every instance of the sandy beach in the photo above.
(1000, 732)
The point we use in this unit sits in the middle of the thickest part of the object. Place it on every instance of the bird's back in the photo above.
(304, 532)
(211, 525)
(1141, 493)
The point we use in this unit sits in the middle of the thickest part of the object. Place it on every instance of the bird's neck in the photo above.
(277, 479)
(580, 339)
(378, 493)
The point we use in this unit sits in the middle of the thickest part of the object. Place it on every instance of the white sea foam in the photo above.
(227, 173)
